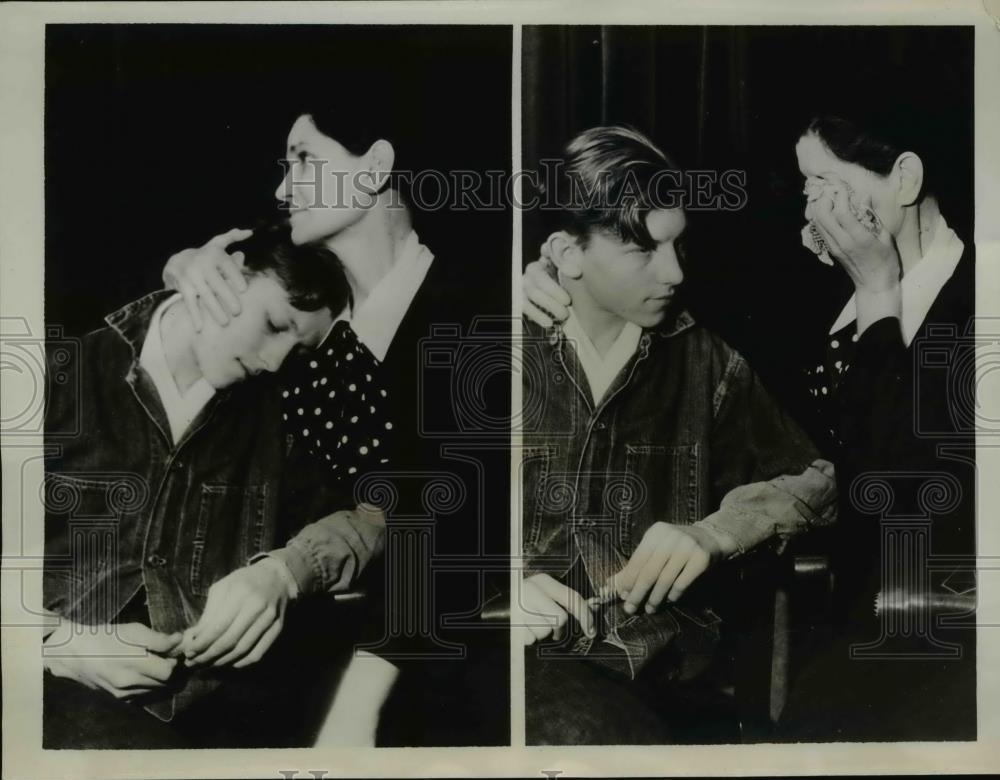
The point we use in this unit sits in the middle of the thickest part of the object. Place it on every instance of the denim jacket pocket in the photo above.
(83, 516)
(231, 528)
(549, 497)
(672, 479)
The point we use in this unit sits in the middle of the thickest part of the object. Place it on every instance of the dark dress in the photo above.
(901, 422)
(405, 434)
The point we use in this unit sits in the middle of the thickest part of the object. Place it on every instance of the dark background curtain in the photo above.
(721, 98)
(158, 137)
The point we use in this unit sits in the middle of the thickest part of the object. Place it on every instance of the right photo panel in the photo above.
(748, 474)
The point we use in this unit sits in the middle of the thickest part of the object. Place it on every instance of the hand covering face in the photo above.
(812, 239)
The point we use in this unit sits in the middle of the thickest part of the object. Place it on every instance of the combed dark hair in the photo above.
(313, 275)
(852, 144)
(364, 114)
(608, 181)
(875, 141)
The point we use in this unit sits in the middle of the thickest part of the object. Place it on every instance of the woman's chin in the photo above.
(310, 227)
(300, 233)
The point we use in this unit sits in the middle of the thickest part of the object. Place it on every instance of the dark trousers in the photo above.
(279, 702)
(839, 699)
(77, 718)
(572, 701)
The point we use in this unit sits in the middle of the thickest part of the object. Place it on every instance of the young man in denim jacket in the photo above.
(167, 509)
(651, 452)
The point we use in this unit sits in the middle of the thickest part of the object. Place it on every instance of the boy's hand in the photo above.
(244, 615)
(211, 275)
(125, 660)
(543, 295)
(547, 601)
(666, 562)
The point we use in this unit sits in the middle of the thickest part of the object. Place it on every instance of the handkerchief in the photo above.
(812, 239)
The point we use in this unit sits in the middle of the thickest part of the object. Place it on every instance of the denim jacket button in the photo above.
(156, 560)
(600, 425)
(178, 465)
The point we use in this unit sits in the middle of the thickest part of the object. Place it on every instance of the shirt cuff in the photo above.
(782, 507)
(329, 554)
(284, 568)
(716, 542)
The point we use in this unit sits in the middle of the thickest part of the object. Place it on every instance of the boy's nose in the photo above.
(668, 267)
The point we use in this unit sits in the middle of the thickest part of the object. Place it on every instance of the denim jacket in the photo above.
(127, 510)
(685, 434)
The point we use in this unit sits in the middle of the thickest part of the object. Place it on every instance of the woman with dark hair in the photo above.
(895, 401)
(337, 194)
(901, 447)
(338, 406)
(368, 377)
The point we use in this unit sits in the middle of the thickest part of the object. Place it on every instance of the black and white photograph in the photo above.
(748, 478)
(273, 506)
(480, 388)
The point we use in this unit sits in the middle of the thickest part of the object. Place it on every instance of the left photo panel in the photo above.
(277, 303)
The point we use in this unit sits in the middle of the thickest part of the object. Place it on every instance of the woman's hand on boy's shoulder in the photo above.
(545, 301)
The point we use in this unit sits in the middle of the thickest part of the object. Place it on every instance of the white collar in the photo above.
(921, 285)
(601, 370)
(377, 318)
(181, 408)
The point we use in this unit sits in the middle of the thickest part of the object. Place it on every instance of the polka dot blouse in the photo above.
(825, 378)
(335, 402)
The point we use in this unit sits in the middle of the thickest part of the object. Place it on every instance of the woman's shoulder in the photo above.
(954, 308)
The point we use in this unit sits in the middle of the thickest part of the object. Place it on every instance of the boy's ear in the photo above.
(565, 252)
(909, 169)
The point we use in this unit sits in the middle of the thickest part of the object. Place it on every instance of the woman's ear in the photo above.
(565, 252)
(909, 169)
(380, 158)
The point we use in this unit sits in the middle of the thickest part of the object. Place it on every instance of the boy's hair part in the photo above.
(609, 179)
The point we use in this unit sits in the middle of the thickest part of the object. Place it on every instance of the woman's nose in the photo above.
(283, 192)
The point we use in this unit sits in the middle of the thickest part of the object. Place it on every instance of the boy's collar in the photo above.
(671, 326)
(131, 322)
